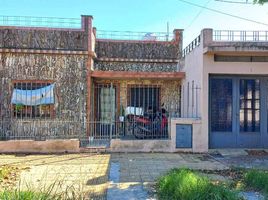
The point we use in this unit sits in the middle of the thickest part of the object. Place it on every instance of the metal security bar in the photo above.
(132, 112)
(125, 111)
(32, 100)
(17, 129)
(129, 35)
(190, 100)
(29, 21)
(240, 36)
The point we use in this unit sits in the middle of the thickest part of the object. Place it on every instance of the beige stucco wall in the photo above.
(118, 145)
(193, 70)
(198, 143)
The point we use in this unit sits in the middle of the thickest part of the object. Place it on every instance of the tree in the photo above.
(260, 1)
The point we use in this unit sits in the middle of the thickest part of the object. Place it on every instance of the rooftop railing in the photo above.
(240, 36)
(129, 35)
(29, 21)
(195, 43)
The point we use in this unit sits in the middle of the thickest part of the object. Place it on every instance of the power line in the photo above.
(223, 13)
(237, 2)
(201, 10)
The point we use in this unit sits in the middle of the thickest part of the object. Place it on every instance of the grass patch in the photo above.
(257, 180)
(25, 195)
(187, 185)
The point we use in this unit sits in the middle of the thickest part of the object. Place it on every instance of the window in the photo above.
(146, 97)
(221, 104)
(33, 99)
(249, 105)
(222, 58)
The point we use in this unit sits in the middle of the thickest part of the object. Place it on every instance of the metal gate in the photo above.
(238, 112)
(103, 126)
(132, 111)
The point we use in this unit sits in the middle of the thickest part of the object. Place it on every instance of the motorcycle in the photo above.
(151, 125)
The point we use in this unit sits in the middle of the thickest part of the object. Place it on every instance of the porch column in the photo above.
(87, 20)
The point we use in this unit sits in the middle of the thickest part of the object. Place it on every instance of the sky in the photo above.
(146, 15)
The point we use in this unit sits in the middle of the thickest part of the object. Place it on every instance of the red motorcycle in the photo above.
(151, 125)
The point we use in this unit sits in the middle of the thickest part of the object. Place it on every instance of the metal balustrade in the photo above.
(129, 35)
(30, 21)
(240, 36)
(195, 43)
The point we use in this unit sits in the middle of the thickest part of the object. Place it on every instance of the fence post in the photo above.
(111, 112)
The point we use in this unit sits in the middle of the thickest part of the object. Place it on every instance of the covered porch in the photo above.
(133, 105)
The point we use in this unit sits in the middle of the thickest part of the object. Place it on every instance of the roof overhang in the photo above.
(137, 75)
(238, 48)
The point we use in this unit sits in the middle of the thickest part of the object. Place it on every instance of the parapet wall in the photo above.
(43, 39)
(137, 50)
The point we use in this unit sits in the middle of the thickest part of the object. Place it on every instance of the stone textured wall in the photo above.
(135, 66)
(43, 39)
(138, 50)
(68, 72)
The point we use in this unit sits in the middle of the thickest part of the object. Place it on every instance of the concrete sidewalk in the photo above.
(117, 175)
(137, 172)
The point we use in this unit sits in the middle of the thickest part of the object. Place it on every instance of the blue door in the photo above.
(238, 112)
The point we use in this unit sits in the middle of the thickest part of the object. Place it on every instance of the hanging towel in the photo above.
(35, 97)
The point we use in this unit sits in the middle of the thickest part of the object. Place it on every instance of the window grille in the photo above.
(33, 99)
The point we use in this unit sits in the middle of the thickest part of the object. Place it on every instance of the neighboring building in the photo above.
(230, 69)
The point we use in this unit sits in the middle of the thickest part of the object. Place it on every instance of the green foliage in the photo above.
(122, 111)
(18, 107)
(186, 185)
(260, 1)
(257, 180)
(25, 195)
(53, 191)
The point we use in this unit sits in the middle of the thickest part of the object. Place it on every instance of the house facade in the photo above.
(66, 89)
(77, 83)
(230, 68)
(39, 63)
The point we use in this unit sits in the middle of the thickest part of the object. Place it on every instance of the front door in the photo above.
(248, 116)
(104, 112)
(238, 112)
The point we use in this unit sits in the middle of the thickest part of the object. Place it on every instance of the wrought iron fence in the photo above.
(129, 35)
(195, 43)
(190, 100)
(125, 111)
(29, 21)
(22, 129)
(240, 36)
(136, 111)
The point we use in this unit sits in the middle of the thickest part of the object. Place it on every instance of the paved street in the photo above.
(114, 176)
